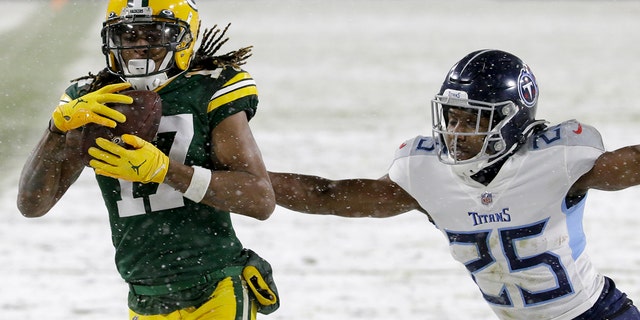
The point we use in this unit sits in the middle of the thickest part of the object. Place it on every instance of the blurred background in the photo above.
(342, 83)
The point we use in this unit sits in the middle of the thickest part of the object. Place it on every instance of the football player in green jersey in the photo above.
(169, 213)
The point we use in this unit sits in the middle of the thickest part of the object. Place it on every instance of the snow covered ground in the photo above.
(342, 83)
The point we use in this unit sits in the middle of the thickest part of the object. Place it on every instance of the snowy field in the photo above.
(342, 83)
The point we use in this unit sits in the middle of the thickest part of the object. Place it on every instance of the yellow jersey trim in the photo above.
(240, 86)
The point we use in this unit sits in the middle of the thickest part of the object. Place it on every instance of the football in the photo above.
(143, 119)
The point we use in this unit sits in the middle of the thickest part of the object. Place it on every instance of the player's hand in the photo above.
(145, 163)
(90, 108)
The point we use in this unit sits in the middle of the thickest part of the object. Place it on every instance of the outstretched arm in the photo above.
(348, 198)
(614, 170)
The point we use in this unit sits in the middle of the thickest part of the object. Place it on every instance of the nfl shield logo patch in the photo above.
(486, 198)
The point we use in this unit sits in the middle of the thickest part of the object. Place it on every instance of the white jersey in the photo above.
(521, 244)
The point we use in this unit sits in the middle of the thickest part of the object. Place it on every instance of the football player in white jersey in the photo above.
(514, 223)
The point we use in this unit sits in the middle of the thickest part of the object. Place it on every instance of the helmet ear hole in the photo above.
(498, 146)
(508, 110)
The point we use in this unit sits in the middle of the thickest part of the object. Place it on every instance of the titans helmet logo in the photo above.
(527, 87)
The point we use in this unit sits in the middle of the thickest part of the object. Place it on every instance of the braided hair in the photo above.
(204, 59)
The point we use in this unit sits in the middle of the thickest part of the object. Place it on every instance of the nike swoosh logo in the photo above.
(579, 130)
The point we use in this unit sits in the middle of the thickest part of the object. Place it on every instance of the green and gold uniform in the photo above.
(171, 250)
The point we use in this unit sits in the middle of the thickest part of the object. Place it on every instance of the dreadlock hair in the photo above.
(204, 59)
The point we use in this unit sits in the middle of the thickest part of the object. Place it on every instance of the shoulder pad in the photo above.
(419, 145)
(568, 133)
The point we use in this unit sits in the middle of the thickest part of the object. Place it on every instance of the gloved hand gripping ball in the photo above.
(91, 108)
(144, 163)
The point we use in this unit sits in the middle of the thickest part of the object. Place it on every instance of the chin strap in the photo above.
(469, 169)
(526, 133)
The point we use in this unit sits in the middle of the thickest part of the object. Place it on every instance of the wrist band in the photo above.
(199, 184)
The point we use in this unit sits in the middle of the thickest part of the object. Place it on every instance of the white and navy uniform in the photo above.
(521, 244)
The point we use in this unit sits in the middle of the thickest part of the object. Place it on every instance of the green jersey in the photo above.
(161, 237)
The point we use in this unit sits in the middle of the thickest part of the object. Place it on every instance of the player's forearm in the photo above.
(46, 175)
(295, 191)
(347, 198)
(311, 194)
(239, 192)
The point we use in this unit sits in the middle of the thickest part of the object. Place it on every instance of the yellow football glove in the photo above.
(145, 163)
(90, 108)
